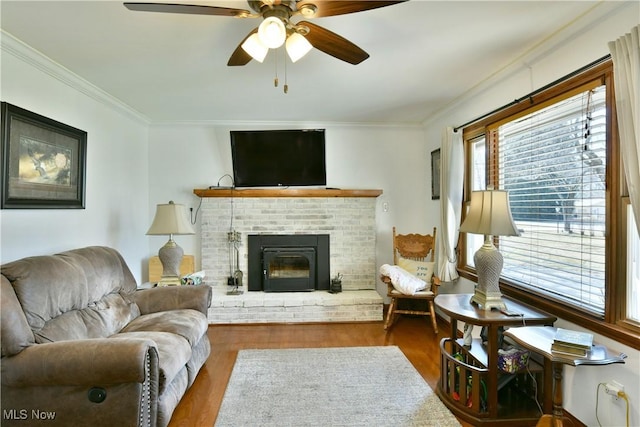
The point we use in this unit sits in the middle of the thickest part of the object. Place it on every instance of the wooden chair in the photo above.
(417, 247)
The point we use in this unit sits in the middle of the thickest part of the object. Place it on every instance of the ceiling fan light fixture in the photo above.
(297, 46)
(272, 32)
(254, 47)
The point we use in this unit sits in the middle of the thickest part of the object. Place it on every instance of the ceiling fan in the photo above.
(278, 28)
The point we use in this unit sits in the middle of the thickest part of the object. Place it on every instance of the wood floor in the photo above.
(199, 406)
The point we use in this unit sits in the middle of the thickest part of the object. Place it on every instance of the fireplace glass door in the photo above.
(289, 269)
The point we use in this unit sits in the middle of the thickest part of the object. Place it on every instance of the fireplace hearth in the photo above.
(288, 263)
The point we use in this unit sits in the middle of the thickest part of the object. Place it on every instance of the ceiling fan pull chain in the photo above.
(275, 80)
(286, 86)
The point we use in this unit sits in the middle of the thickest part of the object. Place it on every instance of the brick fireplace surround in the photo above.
(348, 216)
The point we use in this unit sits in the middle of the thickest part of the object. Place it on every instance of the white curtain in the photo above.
(625, 53)
(451, 183)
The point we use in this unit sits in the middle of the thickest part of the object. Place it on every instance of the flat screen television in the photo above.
(278, 158)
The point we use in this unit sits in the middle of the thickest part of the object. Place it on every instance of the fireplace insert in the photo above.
(288, 263)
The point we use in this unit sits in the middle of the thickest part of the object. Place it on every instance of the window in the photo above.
(478, 182)
(552, 162)
(558, 158)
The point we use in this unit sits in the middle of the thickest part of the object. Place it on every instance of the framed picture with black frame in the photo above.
(43, 162)
(435, 174)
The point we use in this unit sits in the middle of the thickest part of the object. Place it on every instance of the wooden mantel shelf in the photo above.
(284, 192)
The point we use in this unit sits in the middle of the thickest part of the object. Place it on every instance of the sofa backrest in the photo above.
(78, 294)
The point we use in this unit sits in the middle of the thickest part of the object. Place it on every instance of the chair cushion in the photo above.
(421, 269)
(402, 280)
(417, 294)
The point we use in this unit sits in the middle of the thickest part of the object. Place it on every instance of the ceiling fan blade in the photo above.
(239, 56)
(341, 7)
(333, 44)
(186, 8)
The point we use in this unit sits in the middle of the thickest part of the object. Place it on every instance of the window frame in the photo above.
(614, 325)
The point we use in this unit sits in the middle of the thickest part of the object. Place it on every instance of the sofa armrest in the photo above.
(166, 298)
(79, 363)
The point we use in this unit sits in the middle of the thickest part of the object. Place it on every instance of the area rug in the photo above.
(346, 386)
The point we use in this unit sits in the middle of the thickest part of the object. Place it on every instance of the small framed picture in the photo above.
(435, 174)
(43, 162)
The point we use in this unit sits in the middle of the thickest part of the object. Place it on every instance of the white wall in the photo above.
(567, 51)
(116, 170)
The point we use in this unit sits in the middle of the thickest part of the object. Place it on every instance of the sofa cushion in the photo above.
(189, 324)
(100, 319)
(173, 353)
(199, 355)
(83, 293)
(171, 396)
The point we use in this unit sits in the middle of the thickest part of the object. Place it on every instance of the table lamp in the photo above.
(489, 214)
(170, 219)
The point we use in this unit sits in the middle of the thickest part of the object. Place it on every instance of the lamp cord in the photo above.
(621, 394)
(194, 218)
(226, 175)
(232, 241)
(535, 388)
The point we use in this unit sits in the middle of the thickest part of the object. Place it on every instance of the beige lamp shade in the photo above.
(490, 214)
(170, 219)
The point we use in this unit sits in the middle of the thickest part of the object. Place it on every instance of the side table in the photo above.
(539, 339)
(471, 374)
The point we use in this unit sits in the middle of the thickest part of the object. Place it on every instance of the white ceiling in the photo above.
(172, 67)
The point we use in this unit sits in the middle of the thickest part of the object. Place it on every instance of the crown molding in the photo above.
(281, 123)
(17, 48)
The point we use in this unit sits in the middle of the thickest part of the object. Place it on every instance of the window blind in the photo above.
(553, 163)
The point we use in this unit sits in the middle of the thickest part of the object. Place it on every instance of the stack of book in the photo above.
(568, 343)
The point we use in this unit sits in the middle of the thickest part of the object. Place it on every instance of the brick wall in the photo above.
(349, 221)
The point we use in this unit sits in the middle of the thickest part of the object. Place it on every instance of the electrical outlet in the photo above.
(614, 388)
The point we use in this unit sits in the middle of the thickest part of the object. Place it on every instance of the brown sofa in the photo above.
(82, 347)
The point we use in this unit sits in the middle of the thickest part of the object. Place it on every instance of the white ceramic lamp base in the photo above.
(488, 261)
(170, 256)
